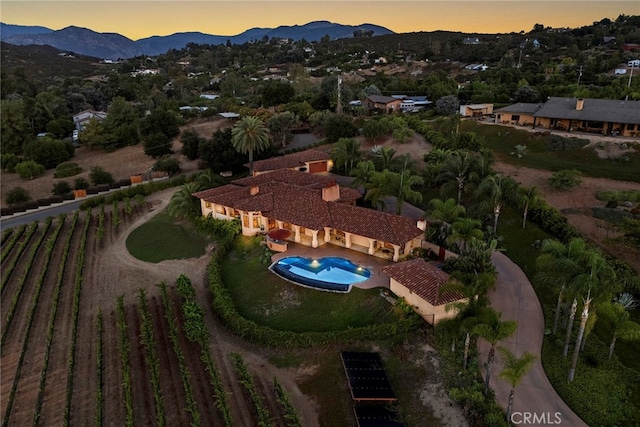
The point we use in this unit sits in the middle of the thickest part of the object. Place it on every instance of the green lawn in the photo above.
(503, 139)
(265, 298)
(163, 237)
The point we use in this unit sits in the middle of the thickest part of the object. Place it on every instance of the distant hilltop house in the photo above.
(471, 40)
(476, 110)
(388, 104)
(477, 67)
(145, 72)
(209, 96)
(81, 119)
(604, 116)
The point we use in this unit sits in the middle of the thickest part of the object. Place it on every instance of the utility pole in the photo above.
(579, 76)
(629, 84)
(339, 106)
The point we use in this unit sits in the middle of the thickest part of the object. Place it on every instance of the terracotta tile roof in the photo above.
(296, 197)
(292, 160)
(373, 224)
(423, 279)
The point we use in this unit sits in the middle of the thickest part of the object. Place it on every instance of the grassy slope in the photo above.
(163, 238)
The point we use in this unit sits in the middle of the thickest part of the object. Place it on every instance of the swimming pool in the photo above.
(328, 274)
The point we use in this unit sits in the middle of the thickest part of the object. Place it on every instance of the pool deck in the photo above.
(377, 279)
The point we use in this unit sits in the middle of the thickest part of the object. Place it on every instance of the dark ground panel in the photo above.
(367, 378)
(376, 416)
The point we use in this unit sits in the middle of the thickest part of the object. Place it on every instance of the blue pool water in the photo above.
(329, 274)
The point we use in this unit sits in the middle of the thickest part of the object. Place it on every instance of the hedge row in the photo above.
(437, 139)
(553, 222)
(142, 189)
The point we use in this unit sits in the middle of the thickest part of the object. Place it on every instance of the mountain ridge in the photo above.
(114, 46)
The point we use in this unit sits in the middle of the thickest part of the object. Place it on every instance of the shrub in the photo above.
(67, 169)
(17, 196)
(560, 143)
(169, 165)
(29, 169)
(9, 162)
(80, 184)
(99, 176)
(61, 188)
(565, 179)
(49, 152)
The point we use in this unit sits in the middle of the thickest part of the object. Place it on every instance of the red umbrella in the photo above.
(279, 234)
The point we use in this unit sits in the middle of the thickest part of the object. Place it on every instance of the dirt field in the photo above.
(121, 164)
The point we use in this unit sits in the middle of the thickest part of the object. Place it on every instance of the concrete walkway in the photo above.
(515, 298)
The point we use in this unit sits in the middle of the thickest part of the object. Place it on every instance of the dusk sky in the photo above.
(144, 18)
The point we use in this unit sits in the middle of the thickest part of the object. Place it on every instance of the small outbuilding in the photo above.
(419, 282)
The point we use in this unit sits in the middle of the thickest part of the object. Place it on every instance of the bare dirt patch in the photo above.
(576, 204)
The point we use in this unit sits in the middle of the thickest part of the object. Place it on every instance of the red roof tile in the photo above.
(423, 279)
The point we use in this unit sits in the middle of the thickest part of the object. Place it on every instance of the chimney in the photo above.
(579, 104)
(331, 192)
(254, 190)
(422, 224)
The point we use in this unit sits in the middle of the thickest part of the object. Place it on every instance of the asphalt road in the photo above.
(39, 214)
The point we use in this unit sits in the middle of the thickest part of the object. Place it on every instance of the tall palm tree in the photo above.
(473, 288)
(363, 173)
(557, 266)
(494, 191)
(445, 212)
(397, 184)
(515, 368)
(249, 135)
(493, 330)
(455, 172)
(528, 197)
(596, 281)
(623, 328)
(346, 152)
(465, 230)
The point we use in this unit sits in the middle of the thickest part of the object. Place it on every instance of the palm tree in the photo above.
(183, 204)
(528, 197)
(623, 328)
(455, 171)
(249, 135)
(445, 212)
(363, 173)
(473, 288)
(558, 265)
(493, 330)
(386, 157)
(596, 280)
(495, 191)
(465, 229)
(346, 152)
(397, 184)
(515, 368)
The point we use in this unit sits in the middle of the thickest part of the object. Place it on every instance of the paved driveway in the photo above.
(515, 298)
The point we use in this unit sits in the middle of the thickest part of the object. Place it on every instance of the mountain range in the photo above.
(113, 46)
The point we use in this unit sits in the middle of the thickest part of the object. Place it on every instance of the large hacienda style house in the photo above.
(314, 210)
(604, 116)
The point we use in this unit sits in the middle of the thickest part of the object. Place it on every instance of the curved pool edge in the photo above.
(311, 285)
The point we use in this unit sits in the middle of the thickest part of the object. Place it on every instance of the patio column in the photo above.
(371, 244)
(327, 234)
(314, 239)
(296, 228)
(396, 253)
(279, 224)
(347, 240)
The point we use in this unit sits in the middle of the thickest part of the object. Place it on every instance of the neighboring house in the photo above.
(471, 40)
(476, 110)
(605, 116)
(419, 282)
(520, 114)
(209, 96)
(388, 104)
(310, 161)
(81, 119)
(315, 210)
